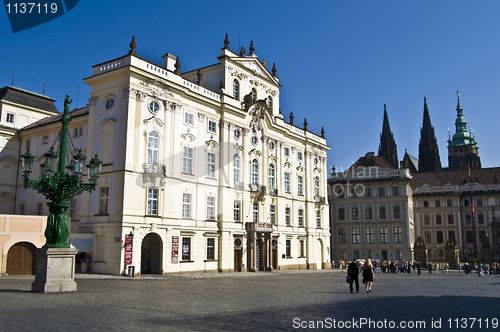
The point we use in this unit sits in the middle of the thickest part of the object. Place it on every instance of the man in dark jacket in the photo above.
(352, 273)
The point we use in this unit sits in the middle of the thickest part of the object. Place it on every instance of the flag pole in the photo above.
(474, 244)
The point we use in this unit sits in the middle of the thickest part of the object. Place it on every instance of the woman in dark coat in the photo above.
(368, 275)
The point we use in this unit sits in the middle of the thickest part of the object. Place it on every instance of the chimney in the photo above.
(169, 61)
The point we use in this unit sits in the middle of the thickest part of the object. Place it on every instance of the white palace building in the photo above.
(200, 170)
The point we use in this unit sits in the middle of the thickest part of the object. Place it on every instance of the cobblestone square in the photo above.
(277, 301)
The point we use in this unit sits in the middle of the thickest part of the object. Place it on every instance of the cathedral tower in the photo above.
(387, 147)
(428, 152)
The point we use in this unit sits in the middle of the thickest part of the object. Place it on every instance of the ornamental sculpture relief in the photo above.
(253, 67)
(157, 92)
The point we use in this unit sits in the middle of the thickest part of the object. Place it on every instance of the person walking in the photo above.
(352, 273)
(430, 267)
(368, 275)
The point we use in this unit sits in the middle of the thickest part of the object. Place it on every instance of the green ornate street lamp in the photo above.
(59, 187)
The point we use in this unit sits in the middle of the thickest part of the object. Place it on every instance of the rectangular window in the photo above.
(299, 185)
(381, 191)
(10, 118)
(426, 203)
(237, 209)
(468, 237)
(302, 249)
(342, 254)
(45, 139)
(384, 255)
(152, 201)
(397, 212)
(368, 192)
(355, 235)
(449, 202)
(287, 182)
(72, 210)
(75, 134)
(437, 203)
(39, 209)
(369, 212)
(301, 218)
(384, 238)
(450, 219)
(467, 219)
(480, 218)
(466, 202)
(451, 235)
(187, 160)
(211, 165)
(318, 219)
(212, 127)
(342, 236)
(272, 214)
(369, 253)
(299, 155)
(395, 191)
(355, 254)
(479, 202)
(255, 212)
(188, 118)
(288, 251)
(186, 205)
(427, 220)
(286, 151)
(439, 236)
(287, 216)
(28, 144)
(80, 131)
(210, 208)
(382, 212)
(398, 235)
(427, 237)
(210, 249)
(398, 254)
(186, 249)
(369, 235)
(355, 213)
(341, 214)
(104, 201)
(438, 220)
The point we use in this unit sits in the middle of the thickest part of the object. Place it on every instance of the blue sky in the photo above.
(339, 62)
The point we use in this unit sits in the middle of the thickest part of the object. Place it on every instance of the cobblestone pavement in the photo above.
(277, 301)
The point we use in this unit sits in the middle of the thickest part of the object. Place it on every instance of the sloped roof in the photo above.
(56, 118)
(457, 178)
(371, 161)
(27, 98)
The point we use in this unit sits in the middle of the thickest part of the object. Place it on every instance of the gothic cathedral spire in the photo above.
(428, 152)
(387, 147)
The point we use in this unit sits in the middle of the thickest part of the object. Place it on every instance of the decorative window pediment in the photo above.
(188, 138)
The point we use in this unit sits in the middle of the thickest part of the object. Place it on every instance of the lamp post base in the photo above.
(54, 270)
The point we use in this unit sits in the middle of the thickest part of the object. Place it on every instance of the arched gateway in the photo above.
(151, 254)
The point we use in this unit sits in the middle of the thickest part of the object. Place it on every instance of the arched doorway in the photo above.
(319, 254)
(21, 259)
(151, 254)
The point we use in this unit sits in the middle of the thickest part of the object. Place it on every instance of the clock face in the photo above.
(462, 166)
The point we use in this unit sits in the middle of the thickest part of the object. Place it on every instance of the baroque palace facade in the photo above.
(200, 170)
(379, 210)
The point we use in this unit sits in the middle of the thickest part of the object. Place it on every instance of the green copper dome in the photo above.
(462, 136)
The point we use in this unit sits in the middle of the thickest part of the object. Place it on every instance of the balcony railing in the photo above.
(154, 169)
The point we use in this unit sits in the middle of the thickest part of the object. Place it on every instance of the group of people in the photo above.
(367, 272)
(480, 269)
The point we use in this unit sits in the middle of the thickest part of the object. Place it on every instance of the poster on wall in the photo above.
(175, 249)
(128, 249)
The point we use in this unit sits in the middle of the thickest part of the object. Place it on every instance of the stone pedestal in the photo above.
(420, 251)
(54, 270)
(452, 256)
(487, 255)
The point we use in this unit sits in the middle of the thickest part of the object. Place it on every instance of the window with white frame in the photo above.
(186, 205)
(287, 182)
(369, 235)
(299, 155)
(188, 118)
(10, 118)
(272, 214)
(301, 218)
(237, 210)
(271, 177)
(186, 249)
(104, 201)
(236, 170)
(342, 236)
(355, 235)
(187, 160)
(286, 151)
(318, 218)
(255, 172)
(210, 165)
(316, 186)
(302, 248)
(45, 139)
(288, 244)
(270, 103)
(299, 185)
(210, 249)
(398, 235)
(152, 201)
(399, 255)
(212, 126)
(287, 216)
(210, 208)
(253, 94)
(255, 212)
(72, 210)
(153, 141)
(236, 89)
(384, 238)
(397, 211)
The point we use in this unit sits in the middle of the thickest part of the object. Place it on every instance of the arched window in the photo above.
(236, 169)
(271, 177)
(255, 172)
(153, 140)
(254, 95)
(236, 89)
(270, 103)
(316, 186)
